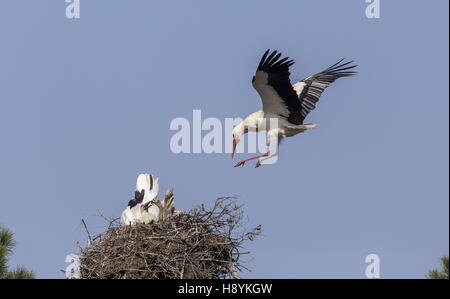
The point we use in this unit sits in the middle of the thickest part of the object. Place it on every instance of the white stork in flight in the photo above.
(286, 103)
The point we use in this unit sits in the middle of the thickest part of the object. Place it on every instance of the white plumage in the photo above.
(150, 184)
(140, 209)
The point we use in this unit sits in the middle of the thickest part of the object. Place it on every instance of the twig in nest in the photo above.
(89, 235)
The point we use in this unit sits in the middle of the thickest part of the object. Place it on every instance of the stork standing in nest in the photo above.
(283, 102)
(147, 188)
(145, 207)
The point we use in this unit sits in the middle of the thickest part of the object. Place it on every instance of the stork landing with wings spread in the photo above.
(286, 103)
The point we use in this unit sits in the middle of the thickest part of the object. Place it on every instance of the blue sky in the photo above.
(85, 106)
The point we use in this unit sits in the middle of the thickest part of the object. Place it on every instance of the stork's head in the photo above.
(237, 133)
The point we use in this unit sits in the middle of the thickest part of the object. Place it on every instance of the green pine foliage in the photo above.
(6, 247)
(442, 273)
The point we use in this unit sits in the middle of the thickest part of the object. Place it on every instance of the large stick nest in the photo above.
(203, 243)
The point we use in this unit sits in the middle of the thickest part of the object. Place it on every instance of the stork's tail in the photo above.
(310, 126)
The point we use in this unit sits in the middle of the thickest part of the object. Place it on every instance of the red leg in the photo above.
(242, 162)
(260, 161)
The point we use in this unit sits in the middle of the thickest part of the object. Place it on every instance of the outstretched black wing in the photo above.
(316, 84)
(272, 83)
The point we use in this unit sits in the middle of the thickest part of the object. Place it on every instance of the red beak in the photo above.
(234, 148)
